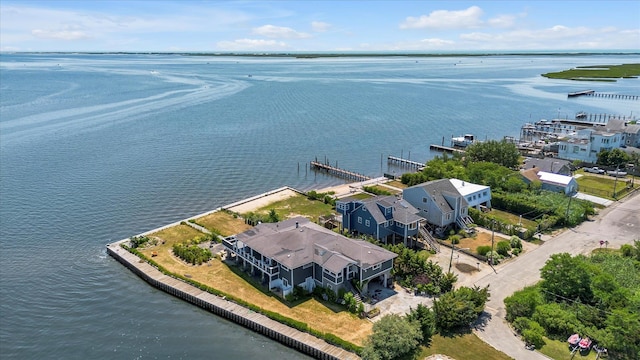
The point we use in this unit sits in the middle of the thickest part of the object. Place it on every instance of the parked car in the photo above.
(617, 173)
(594, 170)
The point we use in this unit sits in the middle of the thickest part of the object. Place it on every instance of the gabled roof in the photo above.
(437, 189)
(530, 174)
(298, 241)
(401, 210)
(545, 164)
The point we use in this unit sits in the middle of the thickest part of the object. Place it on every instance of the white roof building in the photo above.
(476, 195)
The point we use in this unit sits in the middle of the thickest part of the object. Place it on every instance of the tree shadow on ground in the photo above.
(481, 323)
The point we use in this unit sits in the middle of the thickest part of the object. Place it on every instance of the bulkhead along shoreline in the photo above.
(199, 295)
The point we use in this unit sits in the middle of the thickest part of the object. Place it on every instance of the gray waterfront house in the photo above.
(298, 252)
(440, 203)
(386, 218)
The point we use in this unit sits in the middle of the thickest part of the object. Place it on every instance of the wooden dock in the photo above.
(333, 170)
(580, 93)
(446, 149)
(604, 95)
(296, 339)
(404, 162)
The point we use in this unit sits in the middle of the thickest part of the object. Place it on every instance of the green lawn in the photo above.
(559, 350)
(603, 186)
(462, 347)
(510, 218)
(298, 205)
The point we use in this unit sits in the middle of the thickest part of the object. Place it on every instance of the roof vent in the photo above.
(297, 225)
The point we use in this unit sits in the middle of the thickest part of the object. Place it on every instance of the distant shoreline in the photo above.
(311, 55)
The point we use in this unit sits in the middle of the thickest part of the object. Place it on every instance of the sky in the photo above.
(323, 26)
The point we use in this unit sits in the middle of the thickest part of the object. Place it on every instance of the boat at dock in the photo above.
(463, 141)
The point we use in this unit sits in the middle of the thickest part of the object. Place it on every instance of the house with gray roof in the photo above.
(439, 202)
(298, 252)
(383, 217)
(548, 164)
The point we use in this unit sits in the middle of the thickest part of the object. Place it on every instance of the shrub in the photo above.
(483, 250)
(455, 239)
(515, 242)
(137, 241)
(495, 256)
(516, 252)
(534, 335)
(192, 254)
(521, 324)
(503, 247)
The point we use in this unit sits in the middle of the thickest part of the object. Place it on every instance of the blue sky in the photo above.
(289, 26)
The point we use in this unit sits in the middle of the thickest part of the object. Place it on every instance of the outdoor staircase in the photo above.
(463, 222)
(429, 239)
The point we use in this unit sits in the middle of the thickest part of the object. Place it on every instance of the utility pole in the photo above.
(493, 225)
(453, 249)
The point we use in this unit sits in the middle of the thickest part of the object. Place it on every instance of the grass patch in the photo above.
(360, 196)
(597, 72)
(381, 190)
(462, 347)
(559, 350)
(223, 222)
(603, 186)
(177, 234)
(397, 184)
(512, 219)
(296, 206)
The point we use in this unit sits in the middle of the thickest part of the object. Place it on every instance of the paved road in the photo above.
(619, 224)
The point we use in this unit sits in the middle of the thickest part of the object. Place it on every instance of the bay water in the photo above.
(100, 147)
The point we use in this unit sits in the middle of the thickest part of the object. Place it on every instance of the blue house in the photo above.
(385, 218)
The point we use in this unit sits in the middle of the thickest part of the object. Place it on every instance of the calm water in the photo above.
(96, 148)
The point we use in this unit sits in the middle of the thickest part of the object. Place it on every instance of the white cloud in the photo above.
(319, 26)
(555, 37)
(445, 19)
(279, 32)
(502, 21)
(60, 34)
(251, 44)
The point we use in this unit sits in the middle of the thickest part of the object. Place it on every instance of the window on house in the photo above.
(359, 219)
(306, 266)
(412, 226)
(376, 267)
(424, 199)
(367, 223)
(448, 216)
(285, 282)
(484, 193)
(284, 267)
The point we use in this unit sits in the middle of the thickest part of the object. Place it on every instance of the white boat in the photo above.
(463, 141)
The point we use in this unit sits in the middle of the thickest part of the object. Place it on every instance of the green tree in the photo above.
(523, 303)
(272, 217)
(459, 308)
(566, 278)
(424, 316)
(613, 157)
(393, 337)
(499, 152)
